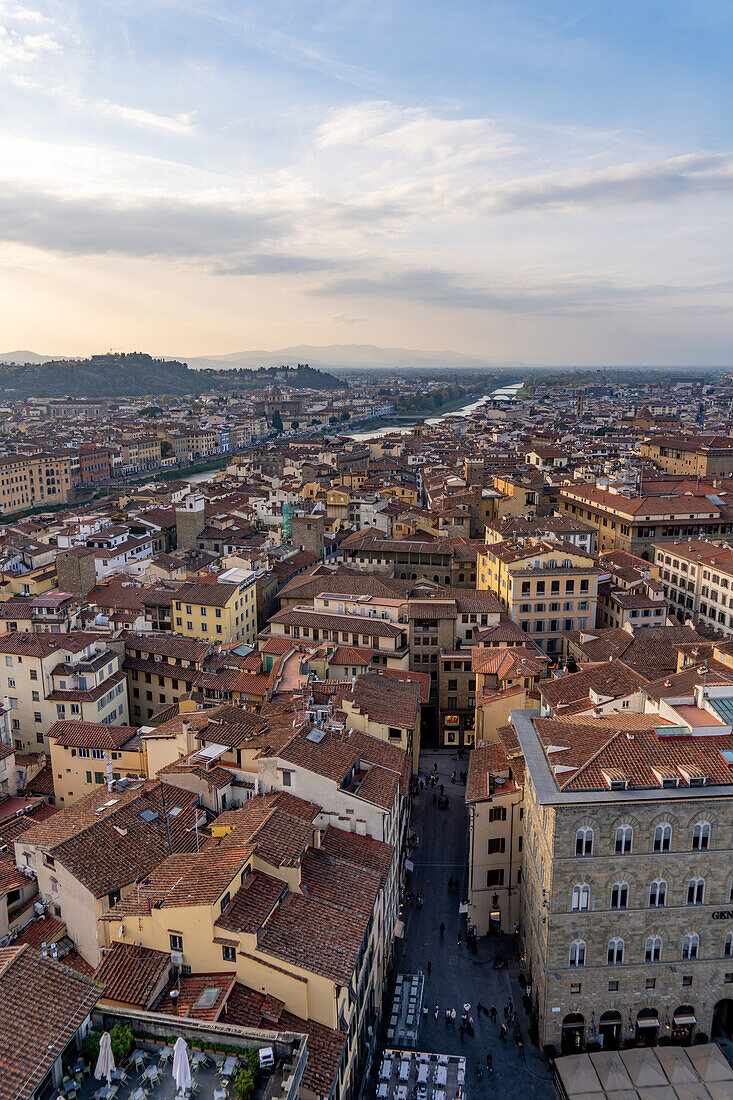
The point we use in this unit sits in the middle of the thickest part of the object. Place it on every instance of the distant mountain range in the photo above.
(350, 357)
(328, 357)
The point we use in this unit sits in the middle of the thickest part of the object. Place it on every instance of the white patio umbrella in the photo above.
(105, 1062)
(181, 1068)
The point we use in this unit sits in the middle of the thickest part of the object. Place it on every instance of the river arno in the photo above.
(400, 428)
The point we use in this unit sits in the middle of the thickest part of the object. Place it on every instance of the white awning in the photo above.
(399, 929)
(648, 1021)
(684, 1018)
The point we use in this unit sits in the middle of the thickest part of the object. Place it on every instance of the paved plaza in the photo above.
(457, 976)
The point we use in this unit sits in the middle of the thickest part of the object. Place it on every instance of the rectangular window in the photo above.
(176, 941)
(495, 877)
(497, 844)
(229, 954)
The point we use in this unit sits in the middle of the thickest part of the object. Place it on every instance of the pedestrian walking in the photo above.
(435, 799)
(452, 777)
(447, 1017)
(442, 789)
(479, 1068)
(435, 767)
(506, 1012)
(442, 929)
(490, 1063)
(436, 1011)
(492, 1014)
(453, 1018)
(461, 1029)
(459, 937)
(502, 1033)
(479, 1007)
(424, 1011)
(520, 1046)
(430, 965)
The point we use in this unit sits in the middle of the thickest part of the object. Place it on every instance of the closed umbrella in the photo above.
(105, 1062)
(181, 1068)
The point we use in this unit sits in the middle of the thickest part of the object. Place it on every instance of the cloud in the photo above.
(412, 132)
(656, 181)
(107, 224)
(344, 319)
(22, 49)
(277, 263)
(176, 124)
(578, 294)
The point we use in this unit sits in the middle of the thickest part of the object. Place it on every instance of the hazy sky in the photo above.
(526, 179)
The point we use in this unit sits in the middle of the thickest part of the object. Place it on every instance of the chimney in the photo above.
(110, 780)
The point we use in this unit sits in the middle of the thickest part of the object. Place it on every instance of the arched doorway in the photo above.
(683, 1025)
(609, 1030)
(647, 1027)
(723, 1018)
(573, 1031)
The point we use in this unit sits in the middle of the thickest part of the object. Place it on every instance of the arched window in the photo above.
(577, 953)
(658, 892)
(696, 891)
(653, 949)
(701, 836)
(615, 951)
(620, 895)
(690, 946)
(663, 837)
(624, 839)
(584, 841)
(728, 949)
(581, 896)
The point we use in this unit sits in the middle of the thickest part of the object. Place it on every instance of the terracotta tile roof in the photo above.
(387, 701)
(10, 877)
(252, 904)
(210, 595)
(133, 975)
(506, 631)
(167, 645)
(334, 758)
(314, 936)
(346, 886)
(279, 837)
(14, 827)
(197, 878)
(362, 851)
(251, 1008)
(349, 655)
(508, 663)
(42, 1004)
(326, 620)
(612, 679)
(42, 930)
(105, 843)
(191, 1002)
(485, 760)
(420, 678)
(98, 735)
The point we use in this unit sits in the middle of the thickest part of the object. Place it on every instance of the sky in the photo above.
(544, 181)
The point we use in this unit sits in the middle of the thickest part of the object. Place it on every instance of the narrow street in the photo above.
(458, 976)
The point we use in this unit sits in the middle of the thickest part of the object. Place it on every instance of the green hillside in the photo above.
(135, 374)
